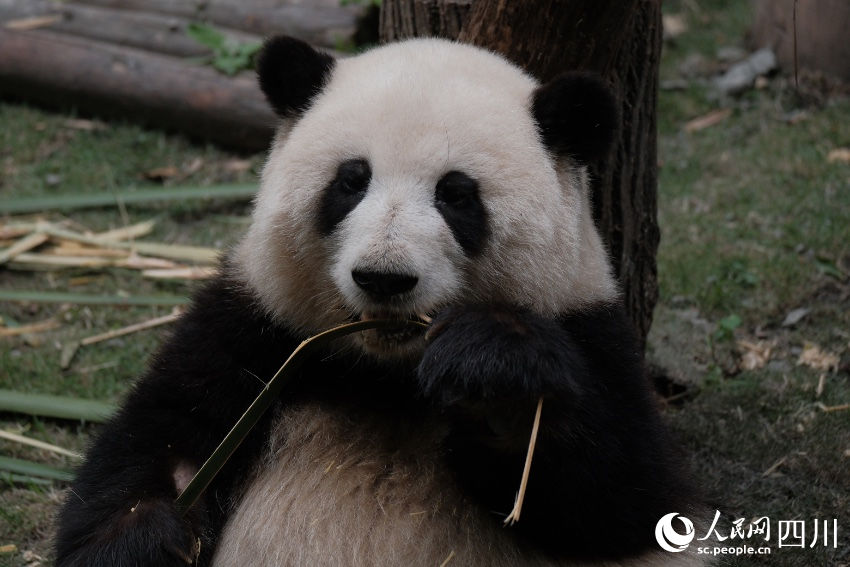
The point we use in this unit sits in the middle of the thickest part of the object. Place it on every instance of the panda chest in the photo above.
(343, 488)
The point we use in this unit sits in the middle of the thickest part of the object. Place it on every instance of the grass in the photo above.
(755, 223)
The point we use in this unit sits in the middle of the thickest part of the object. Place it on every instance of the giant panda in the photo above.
(420, 180)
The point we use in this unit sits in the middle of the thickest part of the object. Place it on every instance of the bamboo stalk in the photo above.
(150, 323)
(134, 197)
(39, 327)
(262, 402)
(198, 254)
(196, 273)
(127, 232)
(68, 248)
(30, 261)
(23, 440)
(26, 243)
(513, 517)
(86, 299)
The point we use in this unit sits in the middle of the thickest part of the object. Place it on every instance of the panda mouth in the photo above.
(391, 337)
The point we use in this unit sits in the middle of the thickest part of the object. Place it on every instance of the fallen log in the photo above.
(320, 22)
(809, 34)
(149, 31)
(96, 77)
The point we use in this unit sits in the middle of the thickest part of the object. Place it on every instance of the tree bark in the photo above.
(621, 41)
(436, 18)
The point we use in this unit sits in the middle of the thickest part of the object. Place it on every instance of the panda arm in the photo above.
(120, 507)
(602, 473)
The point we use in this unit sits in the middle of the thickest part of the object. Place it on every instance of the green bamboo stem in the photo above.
(85, 299)
(234, 438)
(127, 197)
(30, 469)
(55, 406)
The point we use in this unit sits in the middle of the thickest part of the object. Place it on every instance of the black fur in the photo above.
(291, 73)
(345, 192)
(458, 201)
(577, 116)
(603, 473)
(604, 470)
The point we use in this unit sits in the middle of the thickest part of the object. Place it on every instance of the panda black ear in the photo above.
(291, 73)
(577, 115)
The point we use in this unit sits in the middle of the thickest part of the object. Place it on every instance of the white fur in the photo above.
(340, 490)
(417, 110)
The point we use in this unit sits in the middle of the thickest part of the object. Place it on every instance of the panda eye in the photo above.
(456, 190)
(353, 176)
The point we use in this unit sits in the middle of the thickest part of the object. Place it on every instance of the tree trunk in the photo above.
(620, 40)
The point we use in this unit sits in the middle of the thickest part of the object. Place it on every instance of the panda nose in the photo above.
(383, 285)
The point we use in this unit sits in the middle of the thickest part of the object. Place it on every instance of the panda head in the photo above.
(422, 174)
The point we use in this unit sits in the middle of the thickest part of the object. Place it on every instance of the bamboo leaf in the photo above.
(289, 369)
(55, 406)
(29, 468)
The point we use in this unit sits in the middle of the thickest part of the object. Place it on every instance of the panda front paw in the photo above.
(478, 353)
(149, 533)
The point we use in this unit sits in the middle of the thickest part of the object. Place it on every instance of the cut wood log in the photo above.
(159, 33)
(320, 22)
(821, 33)
(104, 79)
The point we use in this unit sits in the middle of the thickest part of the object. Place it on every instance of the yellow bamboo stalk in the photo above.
(9, 436)
(26, 243)
(513, 517)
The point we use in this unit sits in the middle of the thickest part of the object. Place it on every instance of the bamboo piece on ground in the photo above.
(23, 440)
(150, 323)
(23, 245)
(69, 349)
(127, 232)
(136, 262)
(196, 273)
(68, 248)
(38, 327)
(513, 517)
(198, 254)
(29, 261)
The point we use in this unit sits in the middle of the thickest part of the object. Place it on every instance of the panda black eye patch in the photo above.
(343, 193)
(457, 199)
